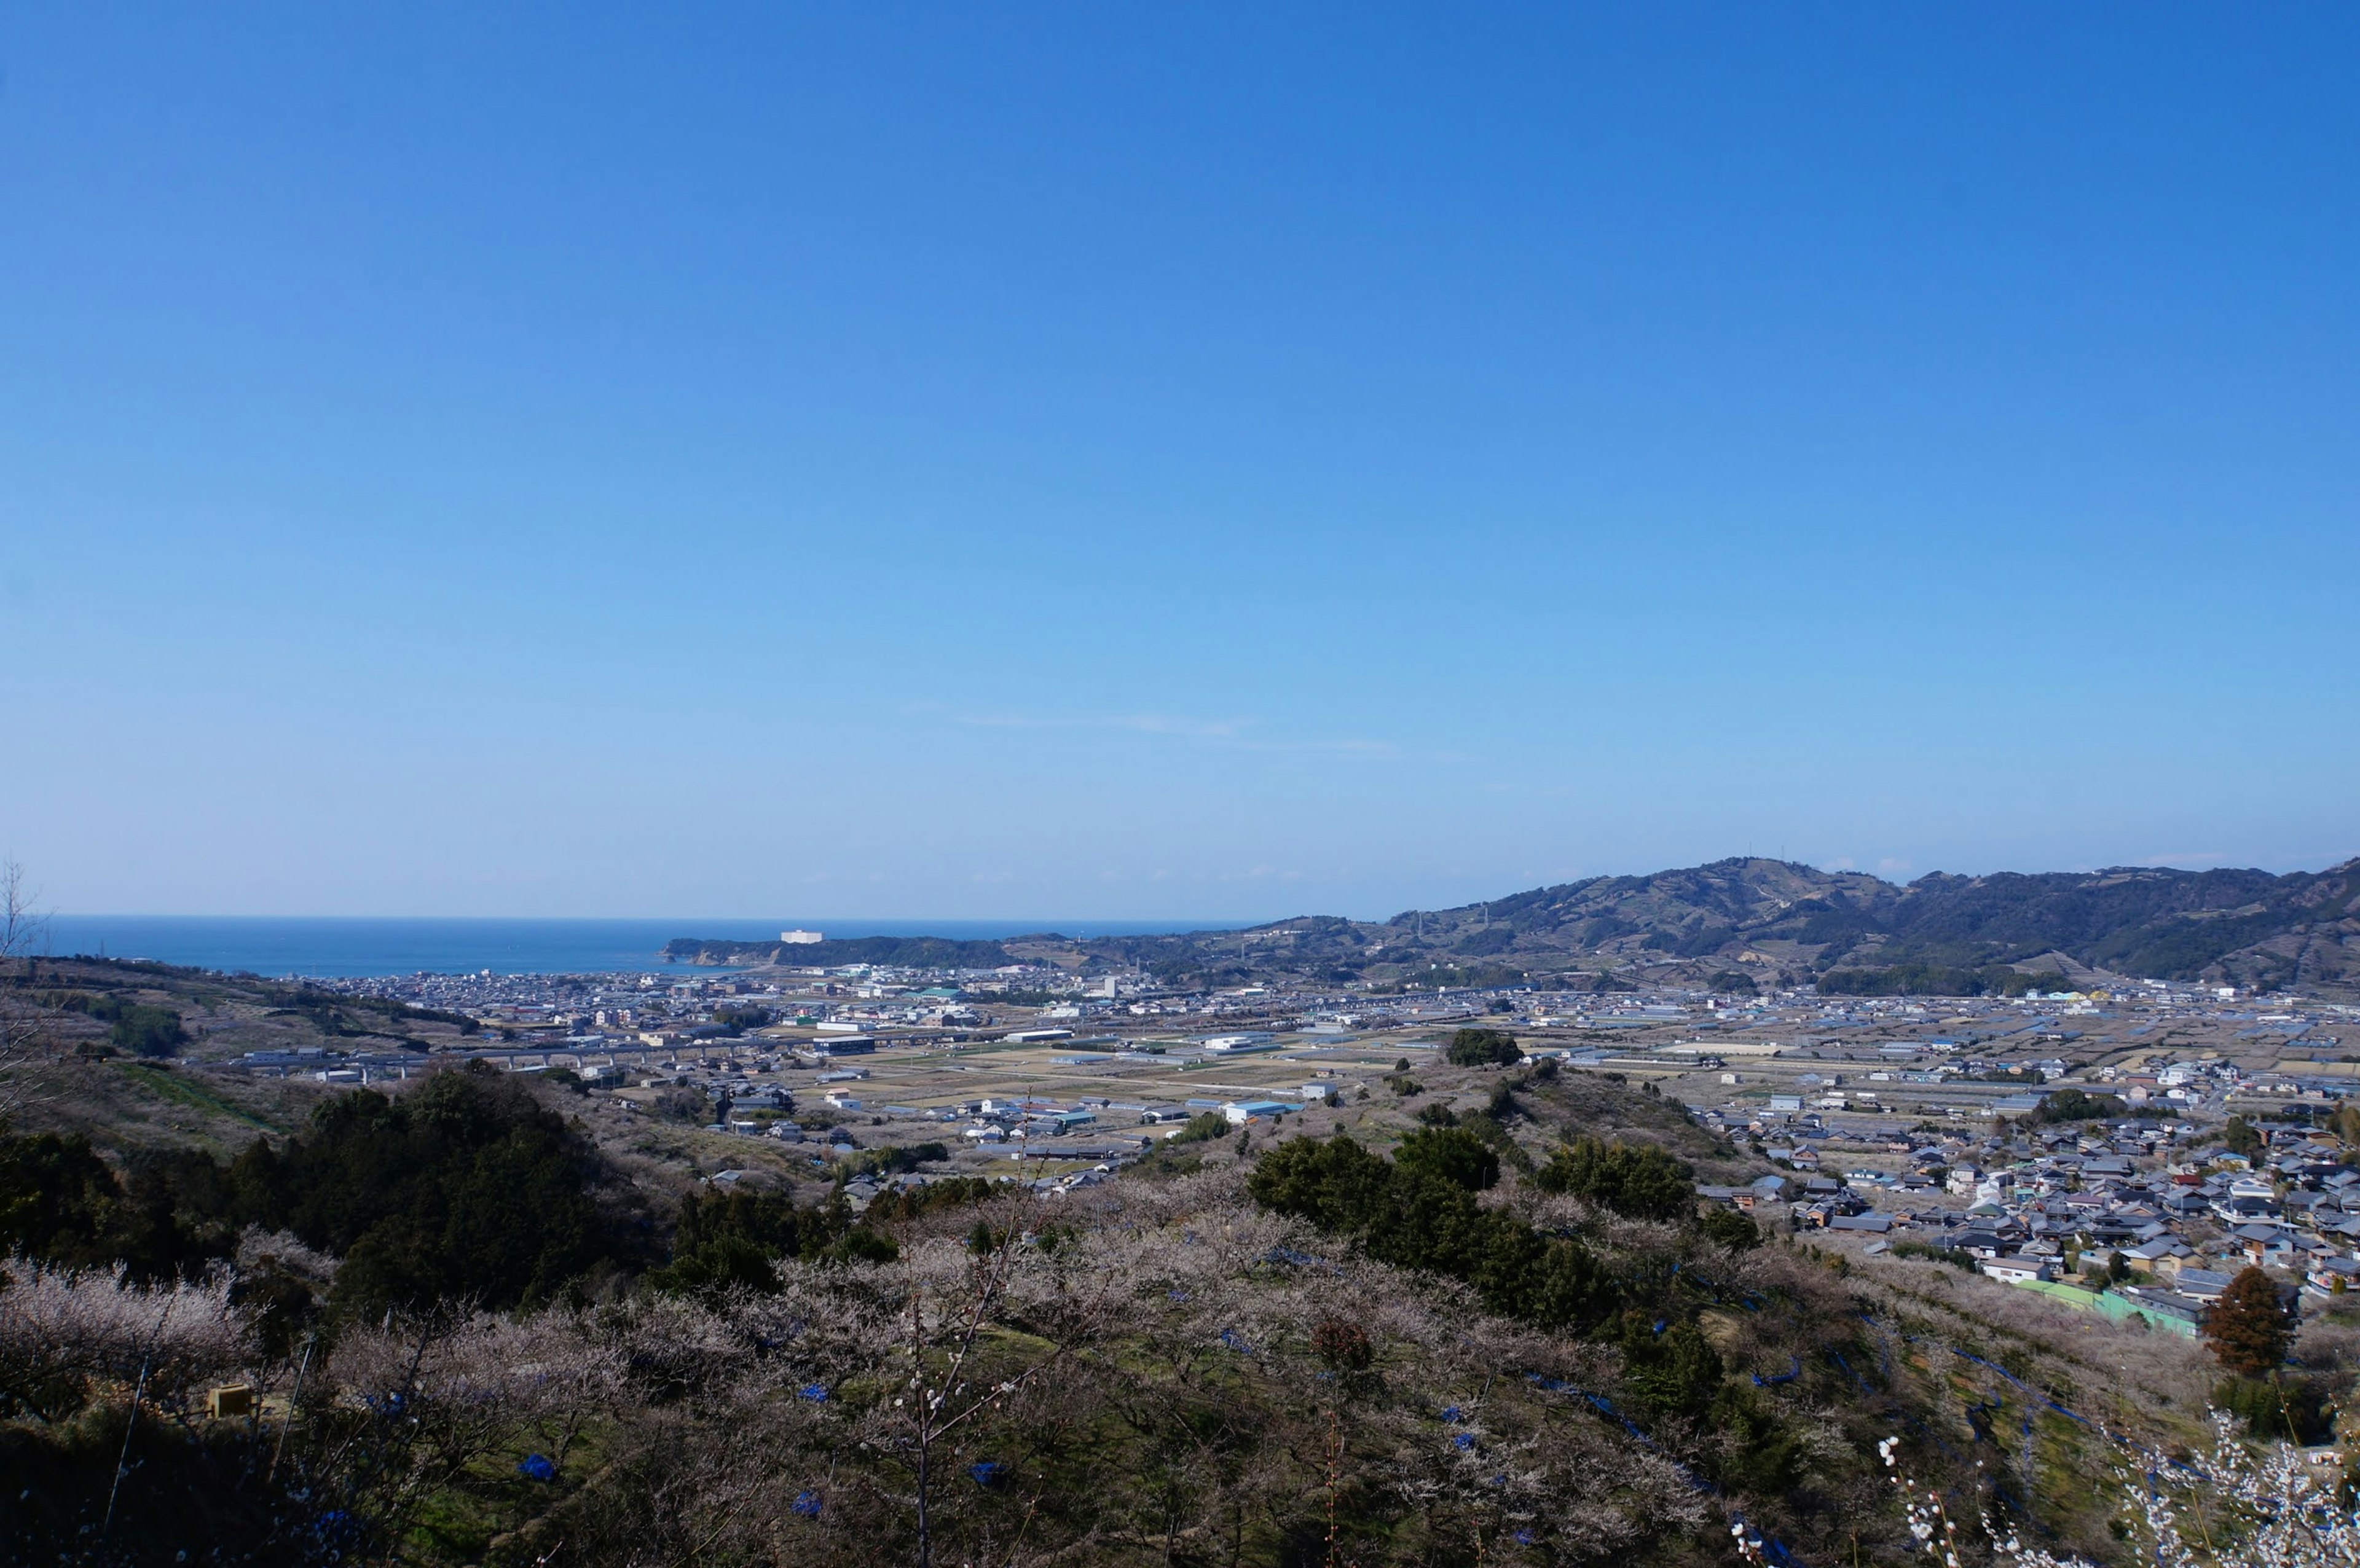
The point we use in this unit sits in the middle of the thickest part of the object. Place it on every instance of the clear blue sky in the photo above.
(1124, 461)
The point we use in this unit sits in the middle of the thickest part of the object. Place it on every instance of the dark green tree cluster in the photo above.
(737, 1238)
(2278, 1407)
(1668, 1363)
(2080, 1105)
(1643, 1181)
(1484, 1048)
(466, 1190)
(1937, 980)
(1699, 941)
(909, 1203)
(1963, 1262)
(1477, 976)
(2345, 1123)
(59, 1202)
(1458, 1156)
(1729, 1228)
(2241, 1137)
(895, 1161)
(1420, 1212)
(62, 1205)
(135, 1027)
(1202, 1128)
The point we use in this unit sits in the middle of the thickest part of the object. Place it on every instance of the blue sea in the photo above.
(358, 945)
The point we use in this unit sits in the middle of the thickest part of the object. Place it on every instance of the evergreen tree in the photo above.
(1727, 1227)
(63, 1205)
(1644, 1183)
(1484, 1048)
(1453, 1153)
(1414, 1215)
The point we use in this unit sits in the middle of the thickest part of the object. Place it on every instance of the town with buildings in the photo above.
(2125, 1150)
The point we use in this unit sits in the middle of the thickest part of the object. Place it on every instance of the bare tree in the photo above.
(952, 1358)
(945, 1319)
(24, 935)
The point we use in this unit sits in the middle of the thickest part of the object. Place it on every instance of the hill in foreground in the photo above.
(1497, 1328)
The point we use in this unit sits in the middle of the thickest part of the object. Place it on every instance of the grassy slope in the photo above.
(126, 1107)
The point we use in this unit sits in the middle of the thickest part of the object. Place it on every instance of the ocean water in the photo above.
(358, 945)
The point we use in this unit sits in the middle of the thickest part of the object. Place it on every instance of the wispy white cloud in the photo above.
(1342, 745)
(1235, 734)
(1140, 724)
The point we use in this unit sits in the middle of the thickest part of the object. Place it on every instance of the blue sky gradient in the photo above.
(1093, 462)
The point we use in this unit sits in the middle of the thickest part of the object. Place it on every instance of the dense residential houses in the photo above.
(2156, 1218)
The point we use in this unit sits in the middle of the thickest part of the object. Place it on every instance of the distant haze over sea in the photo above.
(359, 945)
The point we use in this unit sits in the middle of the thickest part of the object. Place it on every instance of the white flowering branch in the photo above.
(2263, 1509)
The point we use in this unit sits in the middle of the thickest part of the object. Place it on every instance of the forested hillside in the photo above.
(1754, 921)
